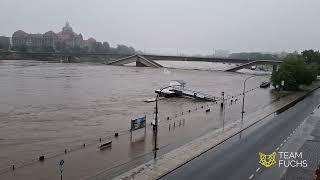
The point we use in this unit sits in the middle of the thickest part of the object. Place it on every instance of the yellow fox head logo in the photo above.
(267, 160)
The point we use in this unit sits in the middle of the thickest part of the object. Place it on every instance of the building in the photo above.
(19, 39)
(70, 38)
(4, 43)
(66, 40)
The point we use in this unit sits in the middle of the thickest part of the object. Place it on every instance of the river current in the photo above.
(45, 107)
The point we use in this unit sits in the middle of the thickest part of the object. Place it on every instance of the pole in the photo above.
(61, 168)
(155, 130)
(243, 98)
(156, 124)
(223, 111)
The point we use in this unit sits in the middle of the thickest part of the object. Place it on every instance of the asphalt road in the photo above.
(238, 158)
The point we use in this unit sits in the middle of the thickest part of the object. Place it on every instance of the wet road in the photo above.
(238, 159)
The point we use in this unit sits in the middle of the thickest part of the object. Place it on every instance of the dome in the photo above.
(67, 28)
(19, 33)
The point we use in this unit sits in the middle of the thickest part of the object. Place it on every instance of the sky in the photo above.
(175, 26)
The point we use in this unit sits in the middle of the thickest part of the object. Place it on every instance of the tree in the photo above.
(311, 56)
(294, 71)
(123, 49)
(106, 46)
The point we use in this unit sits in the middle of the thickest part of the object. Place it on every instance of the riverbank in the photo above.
(163, 165)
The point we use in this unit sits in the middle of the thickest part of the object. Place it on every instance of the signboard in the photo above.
(138, 123)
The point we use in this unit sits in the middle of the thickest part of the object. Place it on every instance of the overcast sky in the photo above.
(171, 26)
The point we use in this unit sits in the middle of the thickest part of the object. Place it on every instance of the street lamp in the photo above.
(243, 95)
(155, 126)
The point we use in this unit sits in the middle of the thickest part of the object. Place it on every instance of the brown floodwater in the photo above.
(48, 107)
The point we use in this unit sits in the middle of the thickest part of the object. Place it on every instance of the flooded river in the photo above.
(47, 107)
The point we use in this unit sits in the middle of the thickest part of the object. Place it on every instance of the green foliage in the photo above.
(311, 56)
(294, 71)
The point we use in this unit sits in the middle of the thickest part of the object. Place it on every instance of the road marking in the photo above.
(251, 176)
(257, 169)
(277, 149)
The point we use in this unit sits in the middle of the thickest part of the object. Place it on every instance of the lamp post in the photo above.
(155, 126)
(243, 96)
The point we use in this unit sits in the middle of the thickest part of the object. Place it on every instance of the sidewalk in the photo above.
(310, 149)
(165, 164)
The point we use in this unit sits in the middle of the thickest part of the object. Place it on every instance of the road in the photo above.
(238, 158)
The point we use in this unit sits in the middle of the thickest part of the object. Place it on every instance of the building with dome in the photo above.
(66, 40)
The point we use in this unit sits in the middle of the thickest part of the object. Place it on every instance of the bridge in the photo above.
(148, 61)
(122, 59)
(272, 62)
(111, 57)
(140, 61)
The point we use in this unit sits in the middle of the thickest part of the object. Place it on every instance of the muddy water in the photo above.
(47, 107)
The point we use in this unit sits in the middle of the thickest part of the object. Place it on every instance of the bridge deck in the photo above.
(253, 63)
(138, 59)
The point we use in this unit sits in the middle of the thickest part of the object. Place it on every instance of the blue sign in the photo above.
(138, 123)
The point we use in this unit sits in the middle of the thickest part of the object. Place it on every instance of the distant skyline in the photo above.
(175, 26)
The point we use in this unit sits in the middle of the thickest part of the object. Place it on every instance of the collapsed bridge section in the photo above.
(140, 61)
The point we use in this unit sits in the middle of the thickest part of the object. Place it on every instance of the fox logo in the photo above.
(267, 160)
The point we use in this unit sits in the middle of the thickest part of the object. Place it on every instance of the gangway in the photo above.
(194, 94)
